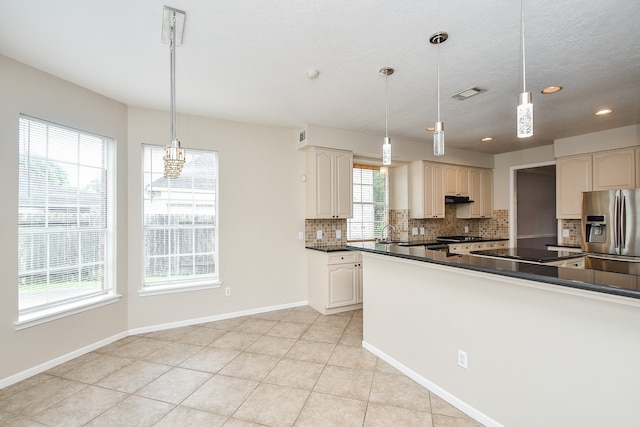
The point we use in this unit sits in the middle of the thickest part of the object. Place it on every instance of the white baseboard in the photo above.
(216, 317)
(5, 382)
(433, 388)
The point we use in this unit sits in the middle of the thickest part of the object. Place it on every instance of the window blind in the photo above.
(180, 220)
(370, 200)
(64, 212)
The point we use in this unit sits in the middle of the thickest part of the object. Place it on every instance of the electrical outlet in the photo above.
(300, 235)
(422, 231)
(414, 231)
(466, 228)
(338, 234)
(227, 292)
(462, 359)
(319, 234)
(565, 232)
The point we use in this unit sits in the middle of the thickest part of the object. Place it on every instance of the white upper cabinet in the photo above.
(329, 183)
(606, 170)
(426, 190)
(573, 176)
(456, 180)
(481, 192)
(614, 169)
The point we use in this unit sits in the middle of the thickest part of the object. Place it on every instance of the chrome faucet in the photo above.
(387, 239)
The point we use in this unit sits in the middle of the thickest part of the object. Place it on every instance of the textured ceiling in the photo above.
(246, 60)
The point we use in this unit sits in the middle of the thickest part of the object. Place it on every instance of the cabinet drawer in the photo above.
(343, 257)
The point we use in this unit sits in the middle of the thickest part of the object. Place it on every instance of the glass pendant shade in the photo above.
(525, 116)
(386, 151)
(438, 139)
(173, 160)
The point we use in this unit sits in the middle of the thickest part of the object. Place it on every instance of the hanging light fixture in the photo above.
(172, 28)
(438, 131)
(525, 106)
(386, 146)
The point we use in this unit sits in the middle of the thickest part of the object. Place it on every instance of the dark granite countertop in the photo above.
(529, 254)
(586, 279)
(329, 248)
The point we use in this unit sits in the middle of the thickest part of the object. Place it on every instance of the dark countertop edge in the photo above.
(484, 252)
(517, 274)
(336, 248)
(563, 246)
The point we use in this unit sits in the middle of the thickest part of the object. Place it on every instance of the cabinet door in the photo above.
(450, 180)
(475, 193)
(462, 181)
(342, 285)
(324, 184)
(433, 191)
(486, 194)
(359, 292)
(573, 176)
(343, 180)
(614, 169)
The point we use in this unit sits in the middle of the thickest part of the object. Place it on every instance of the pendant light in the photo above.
(386, 146)
(172, 28)
(525, 107)
(438, 131)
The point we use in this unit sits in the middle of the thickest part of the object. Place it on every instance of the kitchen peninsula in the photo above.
(538, 348)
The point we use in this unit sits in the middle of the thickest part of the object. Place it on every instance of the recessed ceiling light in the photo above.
(551, 89)
(603, 112)
(468, 93)
(487, 139)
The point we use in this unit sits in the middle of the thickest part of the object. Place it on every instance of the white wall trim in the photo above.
(513, 214)
(5, 382)
(433, 388)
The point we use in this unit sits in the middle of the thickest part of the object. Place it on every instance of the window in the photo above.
(65, 226)
(180, 222)
(370, 203)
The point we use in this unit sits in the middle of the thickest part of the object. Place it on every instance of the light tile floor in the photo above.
(290, 367)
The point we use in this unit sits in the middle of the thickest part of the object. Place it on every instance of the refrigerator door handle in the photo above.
(616, 222)
(623, 222)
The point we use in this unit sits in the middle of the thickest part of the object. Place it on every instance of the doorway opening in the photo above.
(532, 219)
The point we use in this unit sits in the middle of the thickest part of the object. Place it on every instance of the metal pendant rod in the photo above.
(172, 49)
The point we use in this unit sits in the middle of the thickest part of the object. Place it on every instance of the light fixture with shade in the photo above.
(525, 106)
(386, 146)
(172, 28)
(438, 132)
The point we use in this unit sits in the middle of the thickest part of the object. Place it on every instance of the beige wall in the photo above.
(261, 198)
(404, 150)
(502, 170)
(261, 204)
(627, 136)
(29, 91)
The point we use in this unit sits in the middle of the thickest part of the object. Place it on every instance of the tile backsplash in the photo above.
(488, 228)
(575, 235)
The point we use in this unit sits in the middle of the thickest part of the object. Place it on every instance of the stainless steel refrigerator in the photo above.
(610, 222)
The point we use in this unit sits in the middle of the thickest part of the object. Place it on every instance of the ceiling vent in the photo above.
(468, 93)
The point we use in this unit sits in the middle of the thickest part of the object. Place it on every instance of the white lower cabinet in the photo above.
(335, 281)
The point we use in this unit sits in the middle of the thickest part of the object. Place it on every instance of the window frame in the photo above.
(191, 284)
(377, 233)
(32, 316)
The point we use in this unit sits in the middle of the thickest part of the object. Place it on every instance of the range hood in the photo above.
(451, 200)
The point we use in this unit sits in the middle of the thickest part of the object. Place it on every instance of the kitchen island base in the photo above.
(537, 354)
